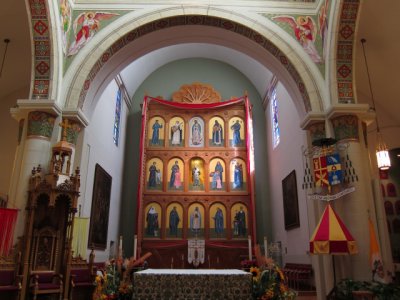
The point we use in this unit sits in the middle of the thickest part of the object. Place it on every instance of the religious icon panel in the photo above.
(154, 171)
(196, 221)
(239, 217)
(156, 127)
(196, 132)
(174, 220)
(196, 182)
(217, 221)
(238, 175)
(217, 175)
(177, 132)
(176, 174)
(236, 132)
(216, 132)
(152, 220)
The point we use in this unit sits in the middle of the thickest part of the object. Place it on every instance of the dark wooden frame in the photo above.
(290, 201)
(100, 209)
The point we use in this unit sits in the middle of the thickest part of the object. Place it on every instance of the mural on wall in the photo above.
(239, 217)
(85, 26)
(216, 132)
(197, 174)
(152, 220)
(236, 132)
(177, 132)
(238, 176)
(217, 175)
(154, 173)
(65, 20)
(196, 132)
(305, 31)
(156, 127)
(217, 221)
(323, 23)
(176, 174)
(174, 220)
(196, 220)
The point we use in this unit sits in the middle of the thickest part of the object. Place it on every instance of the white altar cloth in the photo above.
(193, 272)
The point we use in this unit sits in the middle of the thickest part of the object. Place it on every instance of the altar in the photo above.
(192, 284)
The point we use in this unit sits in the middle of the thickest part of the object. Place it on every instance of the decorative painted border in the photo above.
(195, 20)
(42, 48)
(40, 124)
(344, 53)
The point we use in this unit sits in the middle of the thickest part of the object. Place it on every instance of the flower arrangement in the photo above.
(269, 282)
(114, 282)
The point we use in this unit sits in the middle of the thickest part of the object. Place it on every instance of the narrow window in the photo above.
(274, 118)
(117, 120)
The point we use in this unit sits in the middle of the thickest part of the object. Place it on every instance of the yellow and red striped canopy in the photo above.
(331, 236)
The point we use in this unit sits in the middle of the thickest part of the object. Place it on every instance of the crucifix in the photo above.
(64, 125)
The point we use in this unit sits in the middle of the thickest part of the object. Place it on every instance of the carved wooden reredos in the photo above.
(196, 93)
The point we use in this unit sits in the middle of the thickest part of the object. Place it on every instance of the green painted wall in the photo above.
(229, 82)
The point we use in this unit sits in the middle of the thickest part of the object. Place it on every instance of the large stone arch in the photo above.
(87, 73)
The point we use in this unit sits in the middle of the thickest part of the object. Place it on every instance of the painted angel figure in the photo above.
(89, 23)
(323, 26)
(305, 31)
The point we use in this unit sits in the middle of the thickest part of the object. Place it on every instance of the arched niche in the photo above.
(217, 221)
(216, 132)
(154, 174)
(196, 132)
(238, 175)
(237, 129)
(240, 221)
(152, 218)
(156, 129)
(176, 174)
(217, 175)
(176, 135)
(197, 174)
(195, 220)
(174, 220)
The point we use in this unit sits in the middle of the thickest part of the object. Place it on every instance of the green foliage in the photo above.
(381, 291)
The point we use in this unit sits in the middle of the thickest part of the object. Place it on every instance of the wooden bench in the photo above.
(83, 275)
(298, 276)
(10, 281)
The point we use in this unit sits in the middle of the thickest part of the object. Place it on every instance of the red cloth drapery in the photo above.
(8, 218)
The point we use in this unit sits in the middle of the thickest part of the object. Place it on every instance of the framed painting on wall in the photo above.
(290, 201)
(100, 209)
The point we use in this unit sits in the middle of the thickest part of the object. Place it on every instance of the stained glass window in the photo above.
(117, 119)
(274, 118)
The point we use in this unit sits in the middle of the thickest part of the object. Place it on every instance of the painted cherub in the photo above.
(305, 31)
(89, 23)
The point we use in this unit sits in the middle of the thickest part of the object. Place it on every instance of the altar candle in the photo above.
(134, 247)
(120, 243)
(250, 252)
(172, 263)
(265, 247)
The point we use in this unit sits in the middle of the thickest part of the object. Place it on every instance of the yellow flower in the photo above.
(255, 272)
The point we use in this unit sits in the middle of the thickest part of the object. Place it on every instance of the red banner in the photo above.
(8, 218)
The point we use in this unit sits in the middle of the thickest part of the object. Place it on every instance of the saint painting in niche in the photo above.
(176, 132)
(173, 222)
(196, 126)
(217, 175)
(239, 221)
(238, 175)
(216, 132)
(217, 221)
(236, 133)
(154, 174)
(152, 220)
(195, 220)
(156, 132)
(176, 176)
(197, 174)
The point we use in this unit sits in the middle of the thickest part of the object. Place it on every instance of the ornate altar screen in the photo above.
(196, 178)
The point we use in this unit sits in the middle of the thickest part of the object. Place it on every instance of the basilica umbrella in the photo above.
(332, 237)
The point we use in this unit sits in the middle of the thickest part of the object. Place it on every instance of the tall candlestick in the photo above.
(250, 252)
(120, 242)
(265, 247)
(135, 247)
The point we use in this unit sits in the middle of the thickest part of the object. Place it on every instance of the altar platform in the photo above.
(192, 284)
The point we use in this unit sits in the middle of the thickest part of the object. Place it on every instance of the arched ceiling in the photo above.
(136, 72)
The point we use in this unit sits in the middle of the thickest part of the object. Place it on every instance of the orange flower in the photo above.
(255, 272)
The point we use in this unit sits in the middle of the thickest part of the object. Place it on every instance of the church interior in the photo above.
(199, 149)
